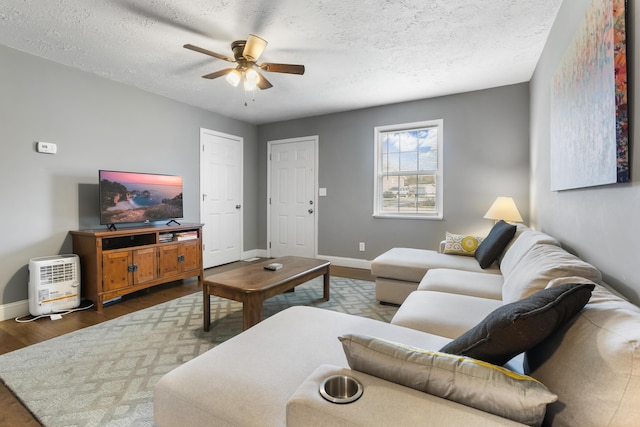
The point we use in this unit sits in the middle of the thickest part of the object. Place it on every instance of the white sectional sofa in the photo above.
(270, 374)
(400, 271)
(528, 263)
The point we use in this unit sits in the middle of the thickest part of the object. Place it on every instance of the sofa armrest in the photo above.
(442, 246)
(383, 403)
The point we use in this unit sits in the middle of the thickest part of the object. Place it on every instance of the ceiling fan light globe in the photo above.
(252, 76)
(234, 78)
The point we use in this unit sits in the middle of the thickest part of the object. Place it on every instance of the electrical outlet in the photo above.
(361, 246)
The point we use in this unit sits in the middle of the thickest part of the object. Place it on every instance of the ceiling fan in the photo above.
(246, 54)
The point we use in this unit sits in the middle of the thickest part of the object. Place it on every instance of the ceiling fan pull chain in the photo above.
(253, 96)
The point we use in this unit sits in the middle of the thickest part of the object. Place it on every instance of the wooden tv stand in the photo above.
(118, 262)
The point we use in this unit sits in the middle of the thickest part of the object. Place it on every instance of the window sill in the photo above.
(391, 216)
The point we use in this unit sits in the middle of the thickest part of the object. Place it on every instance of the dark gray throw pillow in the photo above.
(521, 325)
(492, 246)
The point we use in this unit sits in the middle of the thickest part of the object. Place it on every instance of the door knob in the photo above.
(238, 206)
(310, 211)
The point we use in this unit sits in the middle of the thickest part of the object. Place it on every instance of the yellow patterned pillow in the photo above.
(460, 244)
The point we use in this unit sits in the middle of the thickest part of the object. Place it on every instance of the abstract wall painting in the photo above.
(589, 113)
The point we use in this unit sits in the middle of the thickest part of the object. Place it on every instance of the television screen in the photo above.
(127, 197)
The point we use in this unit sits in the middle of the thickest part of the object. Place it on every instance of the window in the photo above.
(409, 170)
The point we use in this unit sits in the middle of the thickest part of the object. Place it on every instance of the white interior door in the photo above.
(292, 196)
(220, 197)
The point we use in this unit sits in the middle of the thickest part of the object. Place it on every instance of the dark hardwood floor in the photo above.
(14, 335)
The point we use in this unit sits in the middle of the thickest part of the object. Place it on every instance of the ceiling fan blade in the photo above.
(208, 52)
(218, 73)
(254, 47)
(282, 68)
(263, 83)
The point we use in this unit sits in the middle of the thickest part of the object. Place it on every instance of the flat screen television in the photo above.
(134, 197)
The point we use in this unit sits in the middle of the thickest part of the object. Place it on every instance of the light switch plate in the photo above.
(46, 147)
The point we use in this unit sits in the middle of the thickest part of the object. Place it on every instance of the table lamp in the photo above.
(504, 208)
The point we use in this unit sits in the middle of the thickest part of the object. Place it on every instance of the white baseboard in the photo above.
(347, 262)
(255, 253)
(14, 309)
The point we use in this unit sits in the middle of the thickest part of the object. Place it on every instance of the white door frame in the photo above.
(240, 140)
(314, 139)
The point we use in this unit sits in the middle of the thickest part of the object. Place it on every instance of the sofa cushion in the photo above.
(471, 382)
(461, 244)
(593, 364)
(541, 264)
(493, 245)
(520, 245)
(461, 282)
(442, 313)
(519, 326)
(248, 379)
(411, 264)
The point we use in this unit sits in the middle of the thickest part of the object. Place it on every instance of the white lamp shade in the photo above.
(504, 208)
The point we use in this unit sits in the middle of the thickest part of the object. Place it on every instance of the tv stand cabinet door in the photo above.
(116, 273)
(145, 265)
(168, 256)
(192, 256)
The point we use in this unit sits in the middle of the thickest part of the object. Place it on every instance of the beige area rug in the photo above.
(104, 375)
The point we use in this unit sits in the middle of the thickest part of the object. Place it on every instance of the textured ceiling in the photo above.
(357, 53)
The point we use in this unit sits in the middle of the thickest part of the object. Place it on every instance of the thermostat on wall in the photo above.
(46, 147)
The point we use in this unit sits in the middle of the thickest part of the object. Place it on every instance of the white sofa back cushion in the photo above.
(541, 264)
(520, 228)
(521, 244)
(593, 364)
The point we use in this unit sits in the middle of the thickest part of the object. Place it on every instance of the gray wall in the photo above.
(97, 124)
(486, 155)
(600, 224)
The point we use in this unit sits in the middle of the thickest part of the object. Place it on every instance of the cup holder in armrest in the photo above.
(341, 389)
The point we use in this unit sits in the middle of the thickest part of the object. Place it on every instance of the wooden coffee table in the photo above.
(251, 285)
